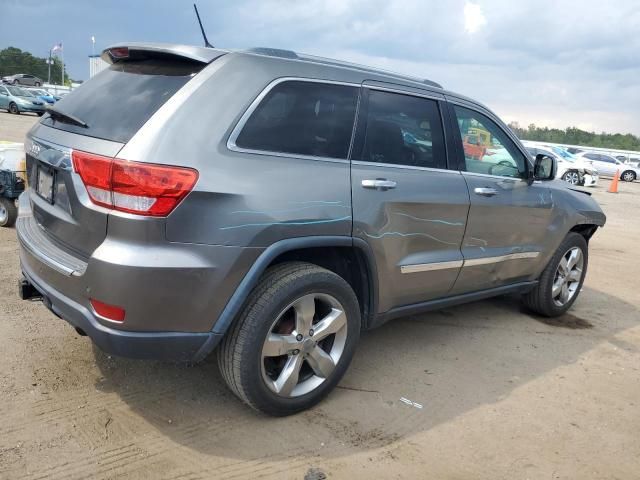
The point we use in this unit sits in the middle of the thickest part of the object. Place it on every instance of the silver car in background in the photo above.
(270, 206)
(608, 166)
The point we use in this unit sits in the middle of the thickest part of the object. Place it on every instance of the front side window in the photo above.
(487, 148)
(303, 118)
(403, 130)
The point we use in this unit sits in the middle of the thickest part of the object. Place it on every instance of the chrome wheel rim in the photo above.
(3, 214)
(304, 345)
(628, 177)
(572, 178)
(567, 278)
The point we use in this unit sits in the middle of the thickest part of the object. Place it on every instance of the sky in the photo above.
(555, 63)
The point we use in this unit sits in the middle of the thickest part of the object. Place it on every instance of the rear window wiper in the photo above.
(66, 117)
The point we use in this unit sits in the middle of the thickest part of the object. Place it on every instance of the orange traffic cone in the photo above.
(613, 188)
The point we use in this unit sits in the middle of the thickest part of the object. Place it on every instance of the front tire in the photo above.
(561, 281)
(628, 176)
(294, 340)
(571, 177)
(8, 212)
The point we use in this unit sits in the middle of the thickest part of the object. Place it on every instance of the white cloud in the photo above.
(474, 19)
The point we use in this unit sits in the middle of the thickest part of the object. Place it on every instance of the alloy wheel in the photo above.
(304, 345)
(567, 278)
(572, 178)
(4, 214)
(628, 177)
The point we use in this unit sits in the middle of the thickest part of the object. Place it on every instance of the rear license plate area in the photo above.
(45, 183)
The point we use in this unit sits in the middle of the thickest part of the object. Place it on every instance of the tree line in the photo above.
(575, 136)
(13, 60)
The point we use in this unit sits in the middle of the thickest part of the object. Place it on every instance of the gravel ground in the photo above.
(503, 394)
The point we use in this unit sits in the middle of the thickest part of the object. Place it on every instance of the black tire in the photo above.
(13, 108)
(37, 84)
(39, 113)
(8, 212)
(628, 176)
(540, 300)
(240, 354)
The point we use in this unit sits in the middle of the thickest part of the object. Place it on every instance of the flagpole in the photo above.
(62, 58)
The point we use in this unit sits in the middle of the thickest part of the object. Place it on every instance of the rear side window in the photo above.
(119, 100)
(403, 130)
(302, 118)
(592, 156)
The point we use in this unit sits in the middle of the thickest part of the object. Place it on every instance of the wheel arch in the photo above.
(346, 256)
(585, 229)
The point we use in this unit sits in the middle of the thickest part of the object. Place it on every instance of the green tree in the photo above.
(13, 60)
(575, 136)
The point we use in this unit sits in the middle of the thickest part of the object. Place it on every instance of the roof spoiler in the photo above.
(139, 51)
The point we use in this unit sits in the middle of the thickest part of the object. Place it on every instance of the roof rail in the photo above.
(273, 52)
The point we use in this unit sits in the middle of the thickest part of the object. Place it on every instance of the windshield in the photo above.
(564, 154)
(39, 92)
(19, 92)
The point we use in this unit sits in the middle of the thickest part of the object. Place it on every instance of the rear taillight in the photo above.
(110, 312)
(133, 187)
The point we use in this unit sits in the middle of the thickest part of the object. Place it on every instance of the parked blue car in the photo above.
(43, 95)
(17, 100)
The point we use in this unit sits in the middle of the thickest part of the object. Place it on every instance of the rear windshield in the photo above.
(119, 100)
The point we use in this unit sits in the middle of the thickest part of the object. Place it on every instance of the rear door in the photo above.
(508, 218)
(407, 205)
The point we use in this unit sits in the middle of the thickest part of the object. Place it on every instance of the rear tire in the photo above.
(38, 84)
(8, 212)
(13, 108)
(628, 176)
(256, 363)
(555, 276)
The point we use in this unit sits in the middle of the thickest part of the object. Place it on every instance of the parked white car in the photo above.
(608, 166)
(570, 169)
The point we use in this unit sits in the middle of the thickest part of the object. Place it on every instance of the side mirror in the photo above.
(544, 167)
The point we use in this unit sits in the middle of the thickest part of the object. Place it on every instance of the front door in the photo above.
(407, 206)
(508, 217)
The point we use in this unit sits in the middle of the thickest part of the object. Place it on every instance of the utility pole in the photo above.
(49, 74)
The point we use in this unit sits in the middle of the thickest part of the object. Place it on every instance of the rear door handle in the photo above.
(379, 184)
(485, 191)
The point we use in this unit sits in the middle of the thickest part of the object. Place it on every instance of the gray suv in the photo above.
(271, 206)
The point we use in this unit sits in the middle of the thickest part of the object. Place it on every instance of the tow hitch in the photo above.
(27, 291)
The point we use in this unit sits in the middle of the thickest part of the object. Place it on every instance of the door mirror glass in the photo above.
(545, 167)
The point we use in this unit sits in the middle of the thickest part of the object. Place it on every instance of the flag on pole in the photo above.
(57, 48)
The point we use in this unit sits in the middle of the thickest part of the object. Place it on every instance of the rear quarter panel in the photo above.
(241, 199)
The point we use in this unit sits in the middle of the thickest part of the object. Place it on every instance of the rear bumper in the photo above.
(176, 346)
(172, 293)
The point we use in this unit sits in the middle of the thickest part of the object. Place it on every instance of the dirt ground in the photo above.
(504, 395)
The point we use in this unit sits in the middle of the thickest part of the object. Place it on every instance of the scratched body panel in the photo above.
(420, 222)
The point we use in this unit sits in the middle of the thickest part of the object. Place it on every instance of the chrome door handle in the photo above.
(379, 184)
(485, 191)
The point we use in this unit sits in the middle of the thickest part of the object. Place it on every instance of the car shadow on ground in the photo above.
(446, 363)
